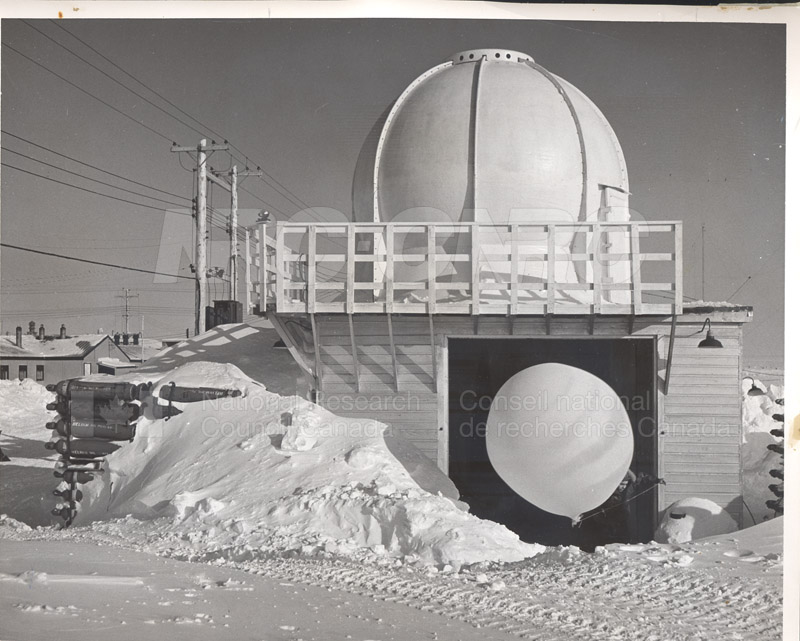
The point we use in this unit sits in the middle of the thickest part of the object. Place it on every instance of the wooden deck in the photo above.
(468, 268)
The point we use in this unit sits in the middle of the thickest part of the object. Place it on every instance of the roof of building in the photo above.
(116, 363)
(32, 347)
(146, 349)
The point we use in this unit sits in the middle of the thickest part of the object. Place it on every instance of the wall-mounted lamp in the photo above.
(754, 389)
(709, 340)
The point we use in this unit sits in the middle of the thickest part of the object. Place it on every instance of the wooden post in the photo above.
(636, 266)
(200, 263)
(597, 270)
(394, 353)
(512, 310)
(248, 297)
(317, 360)
(262, 271)
(476, 269)
(200, 212)
(678, 307)
(431, 269)
(234, 222)
(351, 269)
(389, 268)
(433, 351)
(669, 354)
(355, 351)
(280, 291)
(551, 268)
(442, 386)
(311, 281)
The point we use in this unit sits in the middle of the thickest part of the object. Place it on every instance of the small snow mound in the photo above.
(691, 519)
(12, 524)
(20, 397)
(207, 374)
(365, 456)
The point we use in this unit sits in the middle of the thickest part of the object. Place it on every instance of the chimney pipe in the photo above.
(116, 338)
(63, 331)
(136, 339)
(125, 339)
(32, 328)
(19, 337)
(41, 332)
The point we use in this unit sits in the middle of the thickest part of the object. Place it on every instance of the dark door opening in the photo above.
(477, 370)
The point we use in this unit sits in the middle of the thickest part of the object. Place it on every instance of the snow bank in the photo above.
(757, 460)
(262, 474)
(23, 400)
(26, 481)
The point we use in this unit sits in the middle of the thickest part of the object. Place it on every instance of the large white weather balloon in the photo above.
(560, 438)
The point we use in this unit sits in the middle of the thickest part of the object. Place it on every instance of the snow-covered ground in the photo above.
(300, 524)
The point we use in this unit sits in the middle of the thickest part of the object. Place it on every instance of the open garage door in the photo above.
(478, 367)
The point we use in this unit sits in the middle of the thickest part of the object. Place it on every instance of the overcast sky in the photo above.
(698, 109)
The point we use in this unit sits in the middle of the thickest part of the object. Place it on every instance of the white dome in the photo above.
(489, 136)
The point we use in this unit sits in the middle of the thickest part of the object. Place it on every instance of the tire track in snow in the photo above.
(591, 597)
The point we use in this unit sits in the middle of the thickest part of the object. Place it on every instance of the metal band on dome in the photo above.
(477, 91)
(385, 130)
(581, 142)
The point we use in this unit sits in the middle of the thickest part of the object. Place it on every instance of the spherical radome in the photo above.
(489, 136)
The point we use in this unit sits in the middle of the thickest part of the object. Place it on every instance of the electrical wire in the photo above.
(74, 173)
(110, 77)
(86, 189)
(81, 162)
(88, 93)
(278, 187)
(93, 262)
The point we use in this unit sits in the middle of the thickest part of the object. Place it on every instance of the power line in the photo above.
(81, 162)
(281, 189)
(91, 191)
(91, 95)
(110, 77)
(135, 79)
(79, 175)
(94, 262)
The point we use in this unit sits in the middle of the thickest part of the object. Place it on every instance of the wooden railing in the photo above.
(469, 268)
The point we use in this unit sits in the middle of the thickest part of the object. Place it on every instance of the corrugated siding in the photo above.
(699, 420)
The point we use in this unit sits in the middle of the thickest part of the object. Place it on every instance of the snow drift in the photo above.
(262, 474)
(757, 460)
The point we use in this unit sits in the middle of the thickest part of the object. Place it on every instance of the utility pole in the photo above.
(127, 295)
(234, 225)
(200, 212)
(234, 176)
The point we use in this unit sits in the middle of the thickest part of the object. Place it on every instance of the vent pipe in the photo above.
(19, 336)
(41, 332)
(63, 332)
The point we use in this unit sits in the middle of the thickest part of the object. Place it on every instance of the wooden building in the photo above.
(416, 319)
(50, 359)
